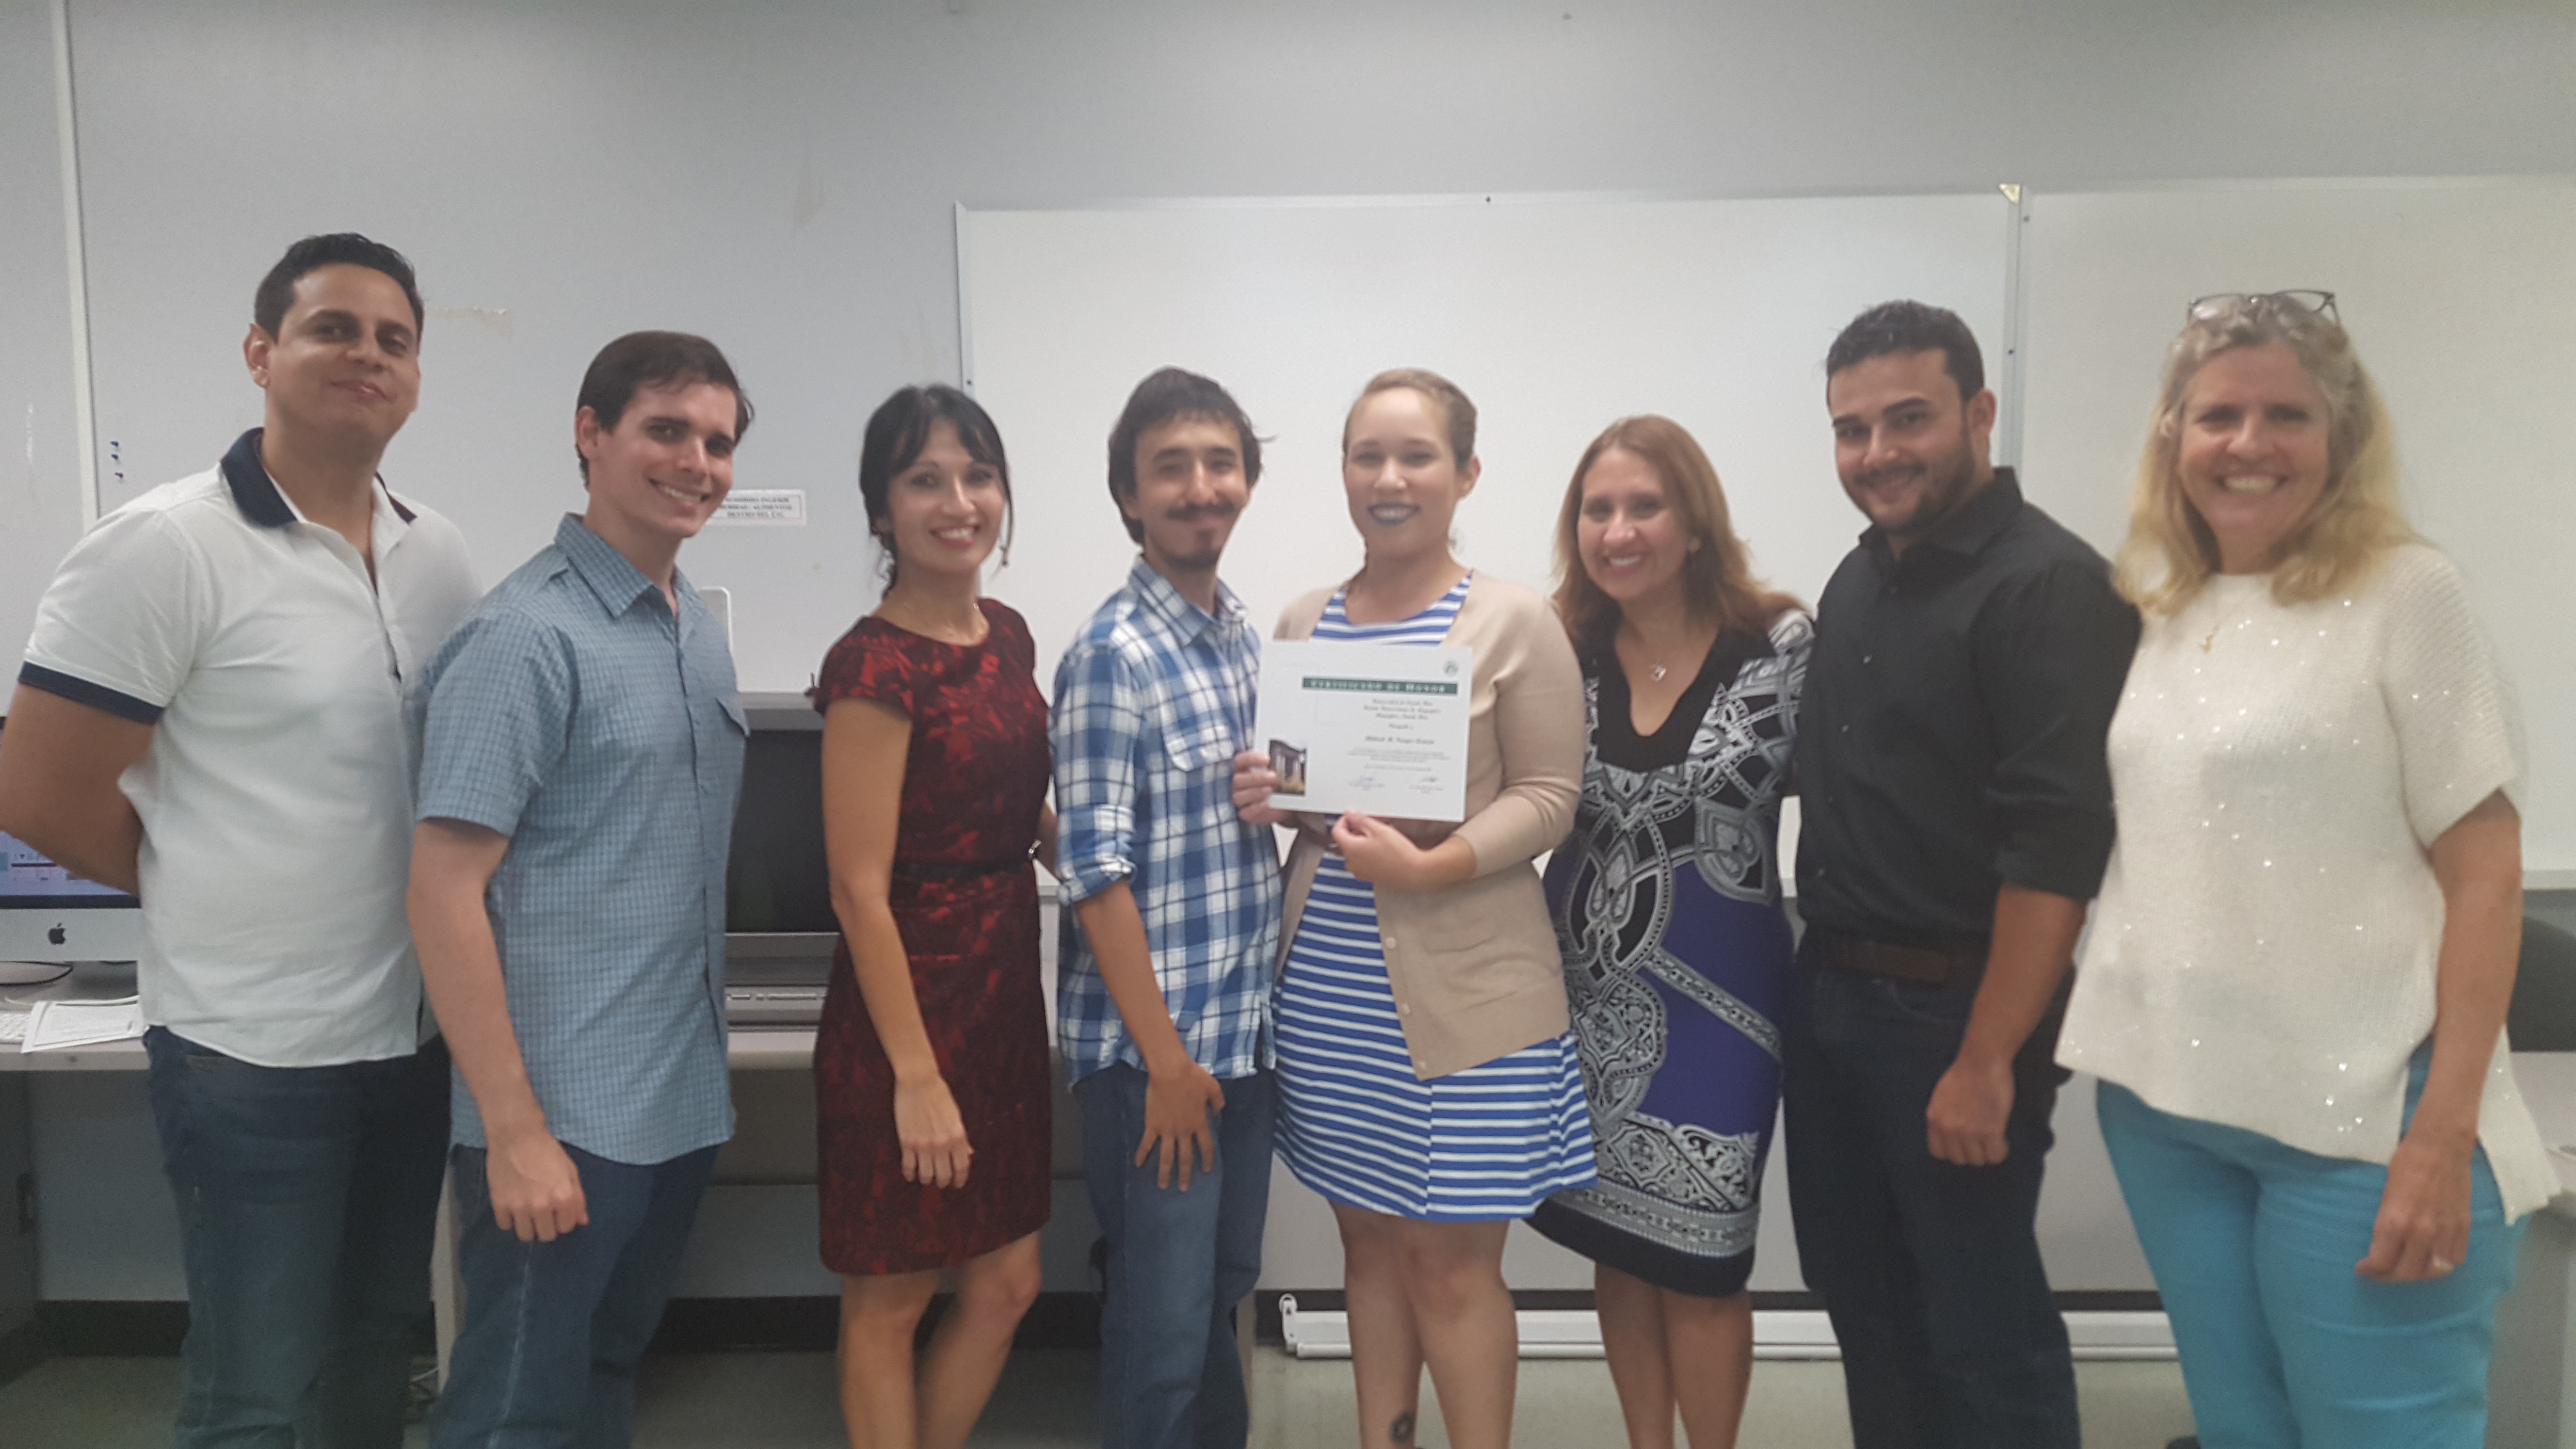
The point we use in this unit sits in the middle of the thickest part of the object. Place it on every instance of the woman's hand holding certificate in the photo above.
(1254, 783)
(1389, 854)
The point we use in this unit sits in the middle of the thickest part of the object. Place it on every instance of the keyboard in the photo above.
(778, 1005)
(13, 1026)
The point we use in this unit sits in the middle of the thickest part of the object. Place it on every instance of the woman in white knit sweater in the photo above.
(2295, 987)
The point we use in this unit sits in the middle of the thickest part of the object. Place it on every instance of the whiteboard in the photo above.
(1556, 317)
(2462, 301)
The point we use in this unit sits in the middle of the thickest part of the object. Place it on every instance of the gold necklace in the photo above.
(2210, 638)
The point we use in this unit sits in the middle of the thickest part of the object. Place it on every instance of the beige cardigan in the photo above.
(1474, 965)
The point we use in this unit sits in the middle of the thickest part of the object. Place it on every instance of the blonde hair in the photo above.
(1717, 577)
(2170, 552)
(1456, 413)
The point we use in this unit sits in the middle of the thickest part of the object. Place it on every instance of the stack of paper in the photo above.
(54, 1026)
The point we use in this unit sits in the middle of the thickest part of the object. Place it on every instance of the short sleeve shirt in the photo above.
(276, 795)
(2267, 952)
(575, 714)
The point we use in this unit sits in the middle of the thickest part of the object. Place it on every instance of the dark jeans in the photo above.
(307, 1199)
(1930, 1271)
(546, 1352)
(1179, 1261)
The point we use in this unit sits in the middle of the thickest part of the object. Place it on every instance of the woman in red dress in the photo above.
(930, 1072)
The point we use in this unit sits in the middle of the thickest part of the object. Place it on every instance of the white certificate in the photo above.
(1378, 728)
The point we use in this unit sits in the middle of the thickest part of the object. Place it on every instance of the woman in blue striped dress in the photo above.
(1429, 1087)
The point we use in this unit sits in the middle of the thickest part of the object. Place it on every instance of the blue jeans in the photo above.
(2283, 1344)
(1929, 1270)
(545, 1354)
(307, 1198)
(1178, 1264)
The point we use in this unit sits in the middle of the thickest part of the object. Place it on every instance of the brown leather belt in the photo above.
(1955, 969)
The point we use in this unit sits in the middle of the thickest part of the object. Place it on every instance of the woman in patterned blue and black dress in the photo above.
(1427, 1084)
(1667, 906)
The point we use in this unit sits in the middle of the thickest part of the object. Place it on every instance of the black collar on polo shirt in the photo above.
(256, 494)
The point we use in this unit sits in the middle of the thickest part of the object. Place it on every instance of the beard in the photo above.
(1187, 551)
(1947, 481)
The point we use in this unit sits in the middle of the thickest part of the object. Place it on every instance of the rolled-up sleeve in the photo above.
(2052, 655)
(496, 706)
(1097, 729)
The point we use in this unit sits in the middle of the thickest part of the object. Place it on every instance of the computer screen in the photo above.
(30, 882)
(778, 881)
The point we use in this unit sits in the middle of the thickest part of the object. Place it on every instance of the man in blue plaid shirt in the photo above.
(581, 756)
(1164, 991)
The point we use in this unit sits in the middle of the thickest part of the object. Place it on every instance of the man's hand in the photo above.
(935, 1150)
(2034, 940)
(1965, 1123)
(2423, 1225)
(1254, 782)
(536, 1191)
(1179, 1096)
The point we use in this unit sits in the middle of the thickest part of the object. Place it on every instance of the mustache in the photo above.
(1196, 512)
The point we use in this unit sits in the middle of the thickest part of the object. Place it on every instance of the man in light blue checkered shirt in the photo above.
(582, 753)
(1163, 992)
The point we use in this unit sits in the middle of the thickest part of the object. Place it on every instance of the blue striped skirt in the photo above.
(1492, 1141)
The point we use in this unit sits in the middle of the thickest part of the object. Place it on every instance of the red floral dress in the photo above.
(965, 901)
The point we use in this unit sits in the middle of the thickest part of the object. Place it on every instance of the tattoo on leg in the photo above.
(1401, 1431)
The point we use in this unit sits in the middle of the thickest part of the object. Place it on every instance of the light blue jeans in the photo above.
(2283, 1345)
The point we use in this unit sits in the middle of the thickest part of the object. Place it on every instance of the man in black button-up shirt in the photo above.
(1956, 815)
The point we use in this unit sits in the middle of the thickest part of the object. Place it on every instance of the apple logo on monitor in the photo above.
(55, 936)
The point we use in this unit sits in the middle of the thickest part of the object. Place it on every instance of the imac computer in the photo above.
(50, 918)
(780, 929)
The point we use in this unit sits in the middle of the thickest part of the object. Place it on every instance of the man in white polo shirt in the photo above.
(211, 715)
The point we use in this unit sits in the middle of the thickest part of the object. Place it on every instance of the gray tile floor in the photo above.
(1048, 1399)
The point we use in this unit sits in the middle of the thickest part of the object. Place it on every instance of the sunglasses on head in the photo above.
(2298, 303)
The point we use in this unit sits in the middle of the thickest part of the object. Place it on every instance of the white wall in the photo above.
(781, 176)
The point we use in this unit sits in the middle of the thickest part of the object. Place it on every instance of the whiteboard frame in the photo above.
(2009, 374)
(75, 254)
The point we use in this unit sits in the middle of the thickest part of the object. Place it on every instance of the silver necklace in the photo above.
(1657, 671)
